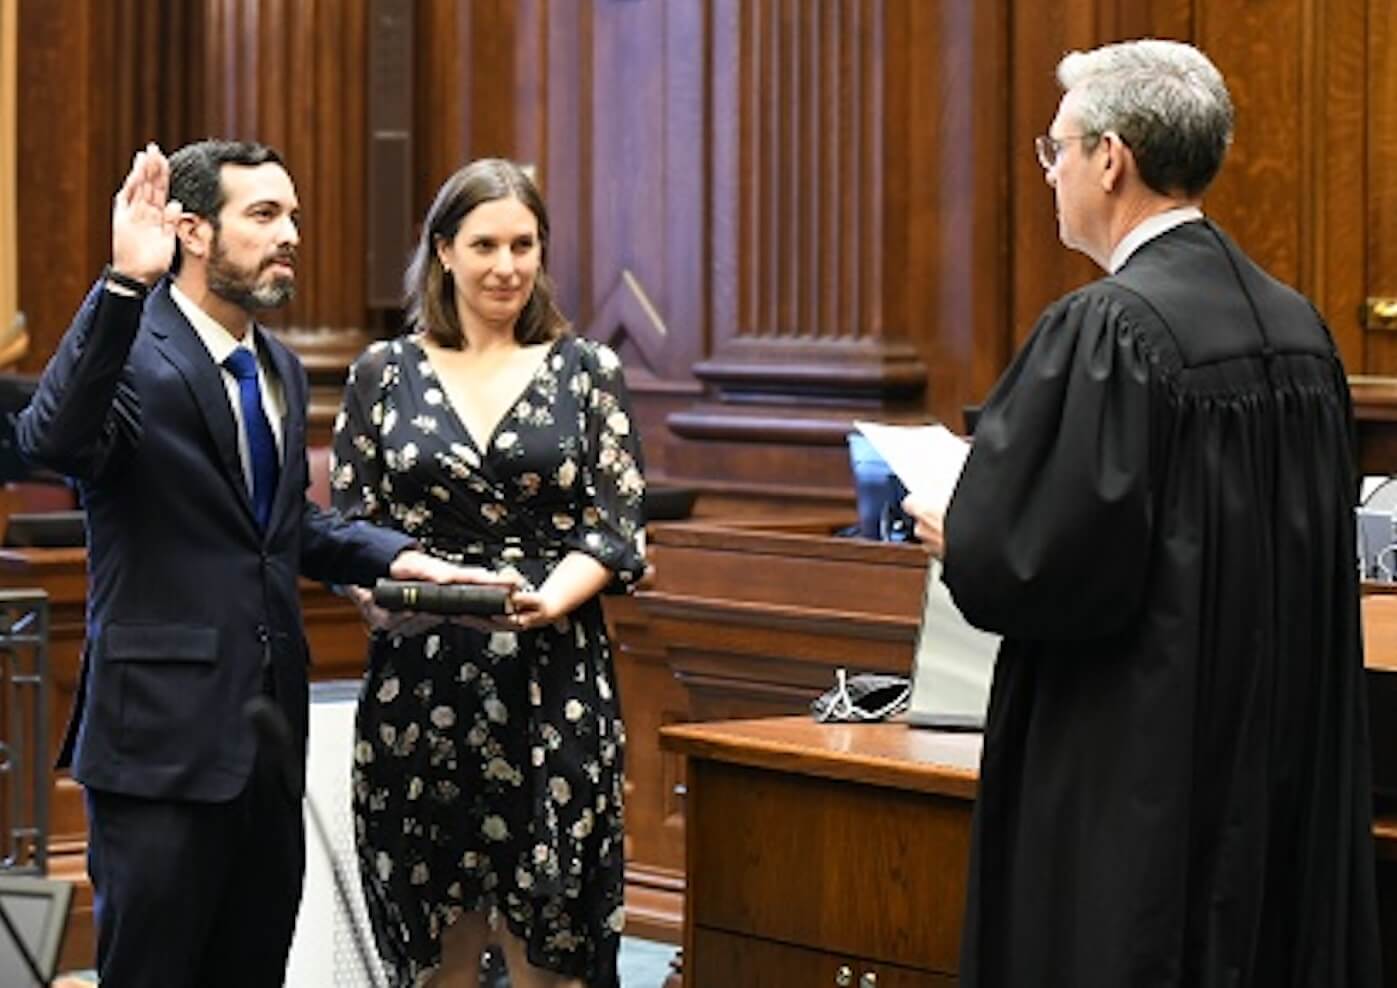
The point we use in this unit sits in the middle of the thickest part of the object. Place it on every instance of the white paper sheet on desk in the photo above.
(927, 458)
(954, 663)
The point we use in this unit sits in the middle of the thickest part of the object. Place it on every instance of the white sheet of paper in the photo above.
(927, 458)
(954, 663)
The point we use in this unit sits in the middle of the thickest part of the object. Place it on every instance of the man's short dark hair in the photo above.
(196, 176)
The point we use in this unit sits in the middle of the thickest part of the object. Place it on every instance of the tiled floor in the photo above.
(644, 964)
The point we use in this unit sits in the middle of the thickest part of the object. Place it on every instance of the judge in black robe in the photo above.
(1157, 515)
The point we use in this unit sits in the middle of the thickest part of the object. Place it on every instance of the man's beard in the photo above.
(242, 288)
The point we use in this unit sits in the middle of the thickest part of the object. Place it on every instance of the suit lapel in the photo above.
(180, 345)
(293, 422)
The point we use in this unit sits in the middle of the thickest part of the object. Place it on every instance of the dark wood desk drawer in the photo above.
(842, 867)
(725, 960)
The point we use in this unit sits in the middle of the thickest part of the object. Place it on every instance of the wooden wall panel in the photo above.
(96, 82)
(1338, 134)
(14, 341)
(1380, 226)
(811, 92)
(1043, 269)
(782, 214)
(131, 71)
(840, 127)
(1292, 191)
(624, 173)
(1259, 49)
(440, 109)
(566, 173)
(946, 271)
(801, 194)
(635, 183)
(291, 75)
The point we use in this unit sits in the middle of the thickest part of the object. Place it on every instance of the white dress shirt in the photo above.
(1146, 231)
(220, 344)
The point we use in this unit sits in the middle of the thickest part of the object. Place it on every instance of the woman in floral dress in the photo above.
(488, 763)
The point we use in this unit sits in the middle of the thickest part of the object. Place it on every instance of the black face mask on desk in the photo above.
(862, 698)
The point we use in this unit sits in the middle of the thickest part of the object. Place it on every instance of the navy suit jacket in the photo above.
(188, 601)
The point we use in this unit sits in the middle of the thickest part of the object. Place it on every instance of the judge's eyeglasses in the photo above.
(1049, 148)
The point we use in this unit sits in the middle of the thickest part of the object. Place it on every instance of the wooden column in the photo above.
(96, 82)
(618, 130)
(13, 339)
(1375, 230)
(1315, 101)
(799, 265)
(799, 186)
(854, 231)
(293, 75)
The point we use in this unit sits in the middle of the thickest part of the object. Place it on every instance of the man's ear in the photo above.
(1117, 159)
(195, 234)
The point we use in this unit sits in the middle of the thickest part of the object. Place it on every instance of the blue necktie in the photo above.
(261, 444)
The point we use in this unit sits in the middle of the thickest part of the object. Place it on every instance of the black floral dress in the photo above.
(488, 766)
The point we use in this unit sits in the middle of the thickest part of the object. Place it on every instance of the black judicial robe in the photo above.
(1157, 515)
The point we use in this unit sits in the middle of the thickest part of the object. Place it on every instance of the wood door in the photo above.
(856, 869)
(1377, 233)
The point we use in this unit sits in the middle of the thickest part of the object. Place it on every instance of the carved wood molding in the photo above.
(799, 367)
(806, 620)
(628, 314)
(798, 164)
(758, 425)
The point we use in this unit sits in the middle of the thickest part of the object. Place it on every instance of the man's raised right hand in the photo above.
(144, 218)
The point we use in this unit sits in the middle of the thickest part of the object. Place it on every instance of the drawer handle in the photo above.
(844, 977)
(869, 980)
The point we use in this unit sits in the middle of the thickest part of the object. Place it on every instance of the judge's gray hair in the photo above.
(1167, 102)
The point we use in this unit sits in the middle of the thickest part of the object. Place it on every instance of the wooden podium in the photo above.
(825, 854)
(749, 622)
(741, 619)
(834, 854)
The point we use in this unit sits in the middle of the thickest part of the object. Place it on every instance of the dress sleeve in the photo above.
(612, 528)
(1049, 530)
(356, 454)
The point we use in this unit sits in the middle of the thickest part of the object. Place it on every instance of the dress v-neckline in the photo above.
(483, 451)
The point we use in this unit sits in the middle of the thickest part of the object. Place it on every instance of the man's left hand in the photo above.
(929, 523)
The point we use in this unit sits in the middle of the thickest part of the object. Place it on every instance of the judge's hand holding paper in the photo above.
(954, 661)
(928, 460)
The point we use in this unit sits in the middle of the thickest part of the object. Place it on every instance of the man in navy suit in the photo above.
(183, 422)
